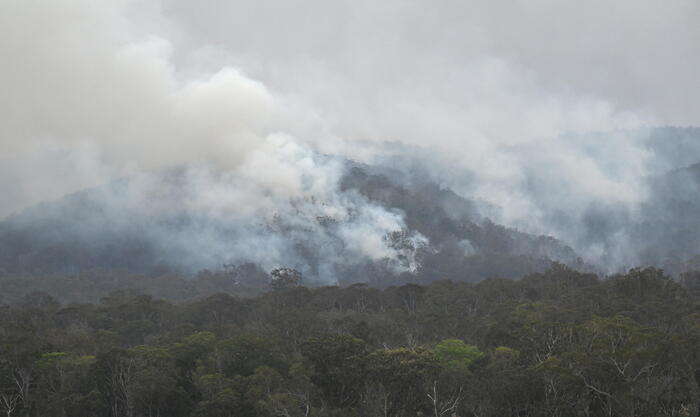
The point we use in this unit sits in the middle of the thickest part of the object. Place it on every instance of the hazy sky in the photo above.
(637, 56)
(97, 89)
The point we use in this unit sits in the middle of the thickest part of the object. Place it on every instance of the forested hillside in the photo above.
(560, 343)
(337, 208)
(147, 229)
(381, 224)
(376, 292)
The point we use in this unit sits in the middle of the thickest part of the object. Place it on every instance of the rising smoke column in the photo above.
(500, 93)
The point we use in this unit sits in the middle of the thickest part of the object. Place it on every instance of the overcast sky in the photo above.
(96, 89)
(636, 56)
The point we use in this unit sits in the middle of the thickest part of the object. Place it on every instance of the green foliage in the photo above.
(400, 375)
(553, 344)
(338, 367)
(455, 354)
(242, 355)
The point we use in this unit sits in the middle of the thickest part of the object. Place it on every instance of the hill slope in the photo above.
(145, 224)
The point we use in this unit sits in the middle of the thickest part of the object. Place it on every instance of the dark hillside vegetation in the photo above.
(265, 208)
(101, 229)
(558, 343)
(144, 226)
(161, 221)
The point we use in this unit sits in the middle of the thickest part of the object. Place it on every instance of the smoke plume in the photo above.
(541, 112)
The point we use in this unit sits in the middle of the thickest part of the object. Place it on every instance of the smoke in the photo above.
(79, 85)
(496, 99)
(283, 205)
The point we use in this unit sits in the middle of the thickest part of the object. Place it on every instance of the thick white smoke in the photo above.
(500, 92)
(283, 205)
(78, 85)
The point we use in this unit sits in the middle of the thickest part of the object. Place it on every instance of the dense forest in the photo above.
(264, 208)
(558, 343)
(141, 298)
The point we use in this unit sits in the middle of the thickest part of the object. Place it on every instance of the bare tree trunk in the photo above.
(9, 403)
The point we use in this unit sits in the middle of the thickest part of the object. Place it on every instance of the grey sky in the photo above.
(99, 89)
(638, 56)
